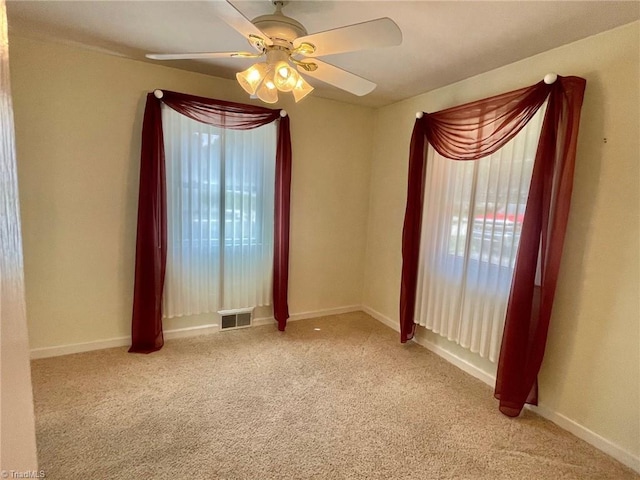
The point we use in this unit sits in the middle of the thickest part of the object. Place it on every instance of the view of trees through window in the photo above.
(487, 211)
(200, 192)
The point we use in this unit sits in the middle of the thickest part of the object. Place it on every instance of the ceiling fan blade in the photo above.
(197, 56)
(236, 20)
(340, 78)
(382, 32)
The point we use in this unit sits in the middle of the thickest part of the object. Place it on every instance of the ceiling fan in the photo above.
(291, 53)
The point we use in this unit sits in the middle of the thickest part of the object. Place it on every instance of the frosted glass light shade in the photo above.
(302, 89)
(285, 77)
(251, 78)
(267, 92)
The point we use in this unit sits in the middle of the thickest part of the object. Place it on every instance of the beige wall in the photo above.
(591, 370)
(78, 122)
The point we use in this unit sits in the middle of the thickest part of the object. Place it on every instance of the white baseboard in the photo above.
(382, 318)
(458, 362)
(191, 331)
(58, 350)
(69, 349)
(562, 421)
(312, 314)
(589, 436)
(257, 322)
(438, 350)
(324, 313)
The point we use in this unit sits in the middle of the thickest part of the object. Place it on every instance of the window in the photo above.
(472, 220)
(220, 204)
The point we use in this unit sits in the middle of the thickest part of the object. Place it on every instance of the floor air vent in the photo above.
(235, 319)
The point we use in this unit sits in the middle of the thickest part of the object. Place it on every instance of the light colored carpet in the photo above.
(332, 398)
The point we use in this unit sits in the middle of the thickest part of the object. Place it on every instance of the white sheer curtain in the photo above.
(220, 204)
(472, 218)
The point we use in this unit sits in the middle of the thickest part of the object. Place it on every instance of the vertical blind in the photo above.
(472, 220)
(220, 203)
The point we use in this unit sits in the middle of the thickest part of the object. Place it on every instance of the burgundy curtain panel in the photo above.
(476, 130)
(281, 225)
(151, 243)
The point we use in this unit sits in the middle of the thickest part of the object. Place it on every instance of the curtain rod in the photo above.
(549, 78)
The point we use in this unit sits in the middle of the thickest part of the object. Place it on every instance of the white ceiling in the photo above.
(443, 42)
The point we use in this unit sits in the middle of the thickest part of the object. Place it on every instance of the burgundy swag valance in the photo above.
(476, 130)
(151, 243)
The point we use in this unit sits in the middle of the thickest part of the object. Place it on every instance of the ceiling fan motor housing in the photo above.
(282, 30)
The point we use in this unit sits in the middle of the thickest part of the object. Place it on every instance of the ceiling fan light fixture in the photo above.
(285, 77)
(264, 80)
(251, 78)
(284, 41)
(302, 89)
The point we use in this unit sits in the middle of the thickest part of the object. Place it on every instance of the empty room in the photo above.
(254, 240)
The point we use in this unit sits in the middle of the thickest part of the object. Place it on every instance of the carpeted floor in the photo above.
(332, 398)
